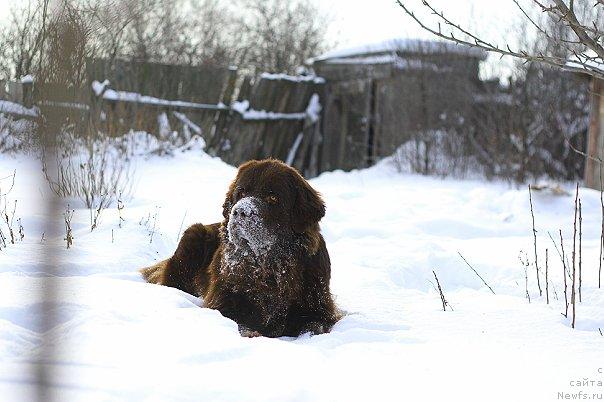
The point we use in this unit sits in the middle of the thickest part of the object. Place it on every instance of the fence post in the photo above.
(28, 100)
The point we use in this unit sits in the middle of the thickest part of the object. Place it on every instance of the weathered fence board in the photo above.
(346, 132)
(263, 135)
(200, 84)
(595, 145)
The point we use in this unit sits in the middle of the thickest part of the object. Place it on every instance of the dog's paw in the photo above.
(248, 333)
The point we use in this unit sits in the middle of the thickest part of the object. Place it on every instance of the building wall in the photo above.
(369, 117)
(595, 144)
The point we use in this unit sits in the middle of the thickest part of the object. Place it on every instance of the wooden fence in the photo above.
(276, 119)
(272, 115)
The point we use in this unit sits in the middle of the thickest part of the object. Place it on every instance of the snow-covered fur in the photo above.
(266, 265)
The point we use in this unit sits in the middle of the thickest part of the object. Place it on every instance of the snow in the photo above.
(249, 233)
(401, 45)
(102, 89)
(243, 108)
(240, 106)
(17, 109)
(108, 335)
(68, 105)
(15, 133)
(27, 79)
(588, 61)
(187, 122)
(294, 78)
(312, 112)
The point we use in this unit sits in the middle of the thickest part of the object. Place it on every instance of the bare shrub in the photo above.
(8, 213)
(16, 135)
(94, 171)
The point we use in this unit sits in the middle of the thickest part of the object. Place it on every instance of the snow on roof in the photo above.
(398, 62)
(589, 64)
(401, 45)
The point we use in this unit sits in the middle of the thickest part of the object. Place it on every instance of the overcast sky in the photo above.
(358, 21)
(355, 22)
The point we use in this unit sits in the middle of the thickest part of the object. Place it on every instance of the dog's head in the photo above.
(269, 200)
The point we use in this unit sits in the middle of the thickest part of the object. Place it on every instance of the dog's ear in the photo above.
(228, 199)
(308, 208)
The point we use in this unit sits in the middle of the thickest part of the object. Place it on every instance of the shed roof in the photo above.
(402, 45)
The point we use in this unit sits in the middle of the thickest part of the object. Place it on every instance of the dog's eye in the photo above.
(272, 199)
(239, 192)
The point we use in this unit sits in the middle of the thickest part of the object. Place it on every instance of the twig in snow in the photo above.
(94, 216)
(574, 277)
(120, 207)
(152, 231)
(525, 265)
(12, 184)
(444, 301)
(546, 277)
(564, 274)
(145, 222)
(21, 232)
(580, 237)
(477, 274)
(555, 245)
(181, 223)
(534, 240)
(9, 222)
(602, 231)
(68, 215)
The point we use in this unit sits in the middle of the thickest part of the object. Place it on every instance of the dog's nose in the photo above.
(243, 211)
(244, 208)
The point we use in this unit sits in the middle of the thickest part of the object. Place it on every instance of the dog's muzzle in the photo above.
(246, 227)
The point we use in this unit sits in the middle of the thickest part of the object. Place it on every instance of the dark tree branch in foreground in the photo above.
(588, 57)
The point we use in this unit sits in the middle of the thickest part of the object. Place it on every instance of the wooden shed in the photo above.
(380, 95)
(595, 137)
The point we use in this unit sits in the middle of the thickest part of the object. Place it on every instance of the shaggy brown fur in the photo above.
(265, 265)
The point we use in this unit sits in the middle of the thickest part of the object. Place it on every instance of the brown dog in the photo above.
(266, 265)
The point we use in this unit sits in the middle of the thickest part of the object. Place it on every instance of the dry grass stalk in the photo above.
(525, 264)
(580, 247)
(444, 301)
(564, 275)
(67, 216)
(574, 271)
(546, 277)
(476, 272)
(535, 241)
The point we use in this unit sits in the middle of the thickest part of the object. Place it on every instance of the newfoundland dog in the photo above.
(266, 265)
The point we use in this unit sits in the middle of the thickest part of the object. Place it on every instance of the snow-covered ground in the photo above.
(101, 333)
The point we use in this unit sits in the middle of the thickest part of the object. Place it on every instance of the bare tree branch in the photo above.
(583, 63)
